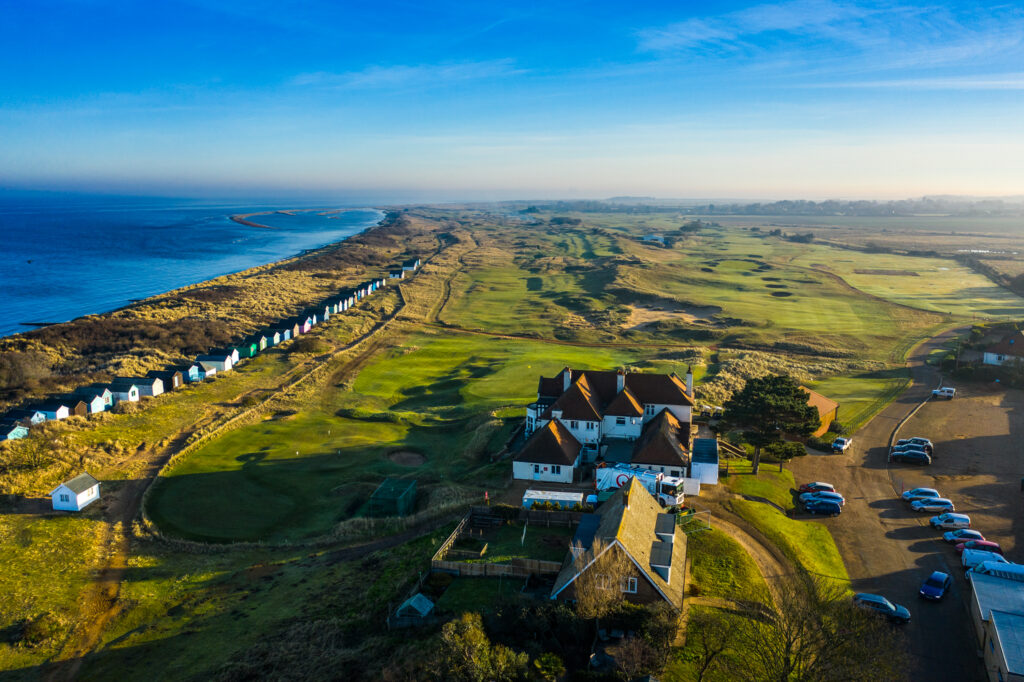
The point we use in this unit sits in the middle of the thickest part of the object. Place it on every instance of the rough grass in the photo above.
(478, 594)
(720, 567)
(45, 565)
(541, 543)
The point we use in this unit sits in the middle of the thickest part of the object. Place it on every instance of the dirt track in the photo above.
(889, 549)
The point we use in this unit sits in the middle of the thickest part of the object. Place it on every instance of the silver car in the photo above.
(933, 504)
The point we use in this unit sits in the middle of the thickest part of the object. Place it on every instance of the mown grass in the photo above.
(807, 543)
(863, 395)
(770, 483)
(544, 544)
(720, 567)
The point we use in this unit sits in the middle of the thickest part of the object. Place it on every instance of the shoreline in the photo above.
(32, 327)
(243, 218)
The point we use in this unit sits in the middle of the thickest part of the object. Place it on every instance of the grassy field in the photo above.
(478, 594)
(770, 483)
(721, 568)
(508, 542)
(434, 403)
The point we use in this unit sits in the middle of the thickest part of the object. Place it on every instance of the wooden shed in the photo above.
(828, 410)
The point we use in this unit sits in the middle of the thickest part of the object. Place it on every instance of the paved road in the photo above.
(889, 549)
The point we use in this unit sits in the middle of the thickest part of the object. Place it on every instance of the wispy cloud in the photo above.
(402, 75)
(1008, 81)
(735, 28)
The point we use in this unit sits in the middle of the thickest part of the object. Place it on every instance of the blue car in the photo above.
(823, 507)
(935, 586)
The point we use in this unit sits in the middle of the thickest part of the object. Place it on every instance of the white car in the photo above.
(933, 504)
(823, 496)
(919, 494)
(950, 521)
(841, 444)
(972, 557)
(946, 392)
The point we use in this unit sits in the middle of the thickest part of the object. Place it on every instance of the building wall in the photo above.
(645, 593)
(631, 430)
(992, 652)
(524, 471)
(591, 436)
(680, 412)
(74, 503)
(826, 421)
(152, 389)
(706, 472)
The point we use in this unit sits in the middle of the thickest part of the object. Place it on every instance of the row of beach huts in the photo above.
(100, 397)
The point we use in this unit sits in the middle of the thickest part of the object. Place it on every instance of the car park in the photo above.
(876, 603)
(950, 521)
(935, 586)
(962, 535)
(816, 486)
(972, 557)
(933, 504)
(986, 545)
(916, 440)
(912, 457)
(823, 507)
(823, 495)
(919, 494)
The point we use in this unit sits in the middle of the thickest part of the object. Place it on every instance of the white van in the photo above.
(972, 557)
(1000, 570)
(950, 521)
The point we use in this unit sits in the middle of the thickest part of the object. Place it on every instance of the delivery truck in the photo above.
(668, 490)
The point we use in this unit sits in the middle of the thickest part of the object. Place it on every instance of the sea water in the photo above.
(64, 257)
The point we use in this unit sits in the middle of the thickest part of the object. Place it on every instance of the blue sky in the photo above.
(451, 100)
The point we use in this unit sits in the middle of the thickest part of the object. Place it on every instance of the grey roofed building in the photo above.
(416, 606)
(1010, 630)
(80, 483)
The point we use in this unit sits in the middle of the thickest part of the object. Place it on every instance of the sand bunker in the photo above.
(640, 316)
(407, 458)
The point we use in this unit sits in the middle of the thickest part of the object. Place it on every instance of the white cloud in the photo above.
(402, 75)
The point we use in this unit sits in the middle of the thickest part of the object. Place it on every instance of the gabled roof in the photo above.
(579, 402)
(214, 357)
(658, 389)
(23, 412)
(624, 404)
(819, 402)
(78, 485)
(1011, 344)
(550, 387)
(92, 390)
(53, 404)
(552, 444)
(125, 382)
(663, 442)
(1010, 629)
(629, 519)
(416, 605)
(163, 373)
(9, 425)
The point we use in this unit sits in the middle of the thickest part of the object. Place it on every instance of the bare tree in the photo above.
(602, 575)
(710, 636)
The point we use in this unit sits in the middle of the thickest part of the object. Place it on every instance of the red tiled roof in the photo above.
(625, 404)
(552, 444)
(825, 406)
(579, 403)
(664, 442)
(1012, 344)
(658, 389)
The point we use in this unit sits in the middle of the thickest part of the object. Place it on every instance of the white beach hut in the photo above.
(76, 494)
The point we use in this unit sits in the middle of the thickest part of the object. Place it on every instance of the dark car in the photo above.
(934, 587)
(823, 507)
(912, 456)
(876, 603)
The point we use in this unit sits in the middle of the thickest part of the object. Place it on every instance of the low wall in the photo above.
(522, 568)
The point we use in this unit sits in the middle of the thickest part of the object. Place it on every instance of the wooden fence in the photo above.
(442, 551)
(520, 568)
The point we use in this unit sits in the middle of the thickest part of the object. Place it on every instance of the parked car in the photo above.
(933, 504)
(912, 456)
(842, 444)
(916, 440)
(824, 495)
(986, 545)
(962, 535)
(919, 494)
(946, 392)
(876, 603)
(935, 586)
(908, 447)
(949, 521)
(815, 486)
(972, 557)
(823, 507)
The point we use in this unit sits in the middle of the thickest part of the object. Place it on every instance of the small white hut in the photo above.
(75, 494)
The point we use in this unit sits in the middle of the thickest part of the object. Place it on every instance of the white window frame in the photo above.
(574, 425)
(64, 497)
(620, 421)
(536, 468)
(630, 585)
(556, 469)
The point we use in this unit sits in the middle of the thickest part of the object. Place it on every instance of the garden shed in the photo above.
(393, 497)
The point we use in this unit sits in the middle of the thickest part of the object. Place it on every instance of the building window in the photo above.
(556, 469)
(602, 581)
(621, 421)
(590, 426)
(574, 425)
(629, 585)
(648, 409)
(64, 498)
